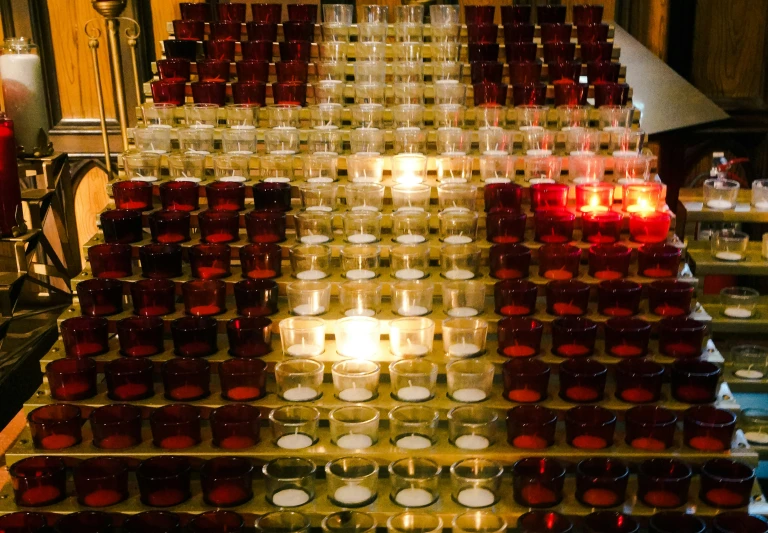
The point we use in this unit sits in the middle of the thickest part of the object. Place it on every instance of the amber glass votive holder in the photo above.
(509, 261)
(626, 337)
(100, 297)
(650, 427)
(169, 227)
(129, 379)
(210, 261)
(525, 380)
(559, 262)
(515, 297)
(186, 379)
(153, 297)
(110, 260)
(71, 379)
(567, 298)
(194, 336)
(160, 261)
(236, 426)
(601, 228)
(261, 261)
(256, 297)
(132, 195)
(179, 196)
(537, 482)
(219, 227)
(204, 297)
(589, 427)
(226, 482)
(519, 336)
(618, 298)
(272, 195)
(663, 483)
(553, 226)
(38, 481)
(658, 260)
(609, 261)
(582, 380)
(164, 480)
(121, 226)
(681, 337)
(549, 196)
(56, 426)
(505, 226)
(175, 427)
(601, 482)
(84, 336)
(708, 428)
(249, 337)
(101, 481)
(670, 298)
(638, 381)
(140, 336)
(243, 380)
(116, 426)
(265, 226)
(726, 484)
(695, 381)
(531, 427)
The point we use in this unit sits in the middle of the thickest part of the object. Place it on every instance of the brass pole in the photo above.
(115, 64)
(132, 42)
(93, 44)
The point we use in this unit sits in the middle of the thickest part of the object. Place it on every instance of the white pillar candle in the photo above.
(463, 349)
(294, 441)
(354, 441)
(410, 239)
(361, 238)
(756, 437)
(315, 239)
(409, 273)
(476, 497)
(308, 309)
(471, 442)
(304, 350)
(352, 494)
(290, 498)
(413, 393)
(469, 395)
(729, 256)
(737, 312)
(24, 97)
(457, 239)
(299, 394)
(719, 204)
(414, 497)
(412, 310)
(355, 394)
(311, 275)
(413, 442)
(360, 273)
(459, 273)
(462, 312)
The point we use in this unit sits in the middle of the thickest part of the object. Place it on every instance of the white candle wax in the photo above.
(489, 181)
(232, 179)
(409, 273)
(189, 179)
(365, 209)
(462, 312)
(308, 309)
(496, 152)
(361, 238)
(624, 153)
(146, 179)
(756, 437)
(413, 442)
(539, 152)
(412, 310)
(459, 273)
(354, 441)
(748, 373)
(530, 128)
(762, 206)
(277, 180)
(320, 180)
(413, 497)
(414, 350)
(737, 312)
(457, 239)
(472, 442)
(290, 498)
(463, 349)
(24, 98)
(311, 274)
(413, 393)
(319, 209)
(283, 152)
(469, 395)
(359, 312)
(315, 239)
(728, 256)
(352, 494)
(294, 441)
(475, 497)
(299, 394)
(304, 350)
(410, 239)
(719, 204)
(360, 273)
(535, 181)
(355, 394)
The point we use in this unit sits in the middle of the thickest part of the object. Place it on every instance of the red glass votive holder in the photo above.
(516, 14)
(177, 70)
(639, 381)
(726, 484)
(503, 195)
(529, 94)
(270, 195)
(116, 426)
(550, 13)
(544, 521)
(601, 482)
(663, 483)
(559, 262)
(618, 298)
(518, 32)
(252, 93)
(23, 522)
(566, 72)
(186, 379)
(525, 380)
(558, 52)
(195, 11)
(737, 522)
(515, 297)
(100, 297)
(215, 70)
(608, 93)
(548, 196)
(509, 261)
(140, 336)
(110, 260)
(556, 32)
(190, 30)
(168, 91)
(475, 14)
(609, 261)
(210, 261)
(225, 30)
(709, 429)
(681, 337)
(658, 260)
(160, 261)
(519, 337)
(267, 12)
(132, 195)
(122, 226)
(587, 14)
(56, 426)
(537, 482)
(204, 297)
(164, 480)
(84, 336)
(265, 31)
(695, 381)
(253, 70)
(650, 427)
(153, 297)
(627, 337)
(504, 226)
(249, 336)
(101, 481)
(129, 379)
(209, 92)
(531, 427)
(169, 227)
(520, 51)
(257, 50)
(71, 379)
(486, 72)
(649, 227)
(38, 481)
(594, 197)
(670, 298)
(582, 380)
(601, 51)
(601, 228)
(294, 30)
(294, 51)
(175, 427)
(488, 94)
(261, 261)
(589, 427)
(567, 298)
(180, 49)
(482, 32)
(603, 72)
(236, 427)
(592, 33)
(179, 196)
(194, 336)
(571, 94)
(256, 297)
(302, 12)
(290, 93)
(292, 71)
(243, 380)
(553, 225)
(610, 522)
(226, 482)
(154, 521)
(219, 227)
(231, 11)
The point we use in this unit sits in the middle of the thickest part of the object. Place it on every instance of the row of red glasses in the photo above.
(194, 30)
(545, 14)
(551, 52)
(225, 50)
(527, 72)
(215, 92)
(217, 70)
(489, 94)
(550, 33)
(260, 12)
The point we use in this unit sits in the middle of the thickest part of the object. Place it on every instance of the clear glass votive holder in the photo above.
(515, 297)
(309, 298)
(413, 380)
(720, 194)
(457, 227)
(749, 361)
(464, 337)
(411, 337)
(415, 482)
(242, 380)
(286, 521)
(299, 380)
(316, 198)
(459, 261)
(472, 427)
(650, 427)
(463, 299)
(453, 142)
(729, 245)
(457, 196)
(409, 170)
(310, 262)
(469, 380)
(410, 225)
(739, 302)
(294, 427)
(356, 380)
(360, 298)
(497, 169)
(351, 482)
(476, 482)
(354, 427)
(537, 482)
(315, 227)
(277, 171)
(413, 427)
(411, 521)
(362, 226)
(238, 145)
(447, 115)
(365, 169)
(365, 197)
(368, 119)
(360, 262)
(410, 196)
(538, 142)
(519, 336)
(141, 167)
(408, 116)
(409, 261)
(289, 481)
(358, 336)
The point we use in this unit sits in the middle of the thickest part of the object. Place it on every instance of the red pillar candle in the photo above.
(531, 427)
(101, 481)
(626, 337)
(169, 227)
(132, 195)
(272, 195)
(226, 481)
(609, 261)
(641, 197)
(618, 298)
(56, 426)
(708, 429)
(601, 482)
(663, 483)
(242, 380)
(695, 381)
(670, 298)
(261, 261)
(548, 196)
(681, 338)
(519, 337)
(537, 482)
(175, 427)
(160, 261)
(225, 196)
(110, 260)
(153, 297)
(602, 51)
(582, 380)
(189, 30)
(195, 11)
(219, 227)
(129, 380)
(265, 226)
(638, 381)
(544, 521)
(122, 226)
(84, 336)
(503, 195)
(525, 380)
(589, 427)
(231, 11)
(267, 12)
(194, 336)
(601, 227)
(509, 261)
(726, 484)
(210, 261)
(553, 226)
(204, 297)
(567, 298)
(594, 197)
(180, 196)
(38, 481)
(186, 379)
(650, 427)
(504, 226)
(100, 297)
(515, 297)
(249, 337)
(71, 379)
(516, 14)
(116, 426)
(649, 227)
(140, 336)
(164, 480)
(256, 297)
(559, 261)
(658, 260)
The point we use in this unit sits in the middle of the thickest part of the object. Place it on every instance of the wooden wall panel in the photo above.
(648, 22)
(163, 12)
(74, 66)
(90, 200)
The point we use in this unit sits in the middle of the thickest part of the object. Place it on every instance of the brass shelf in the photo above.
(722, 324)
(703, 263)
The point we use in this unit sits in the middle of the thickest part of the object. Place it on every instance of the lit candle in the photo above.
(463, 349)
(413, 393)
(413, 442)
(355, 394)
(294, 441)
(413, 497)
(290, 498)
(353, 441)
(299, 394)
(352, 494)
(472, 442)
(469, 395)
(476, 497)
